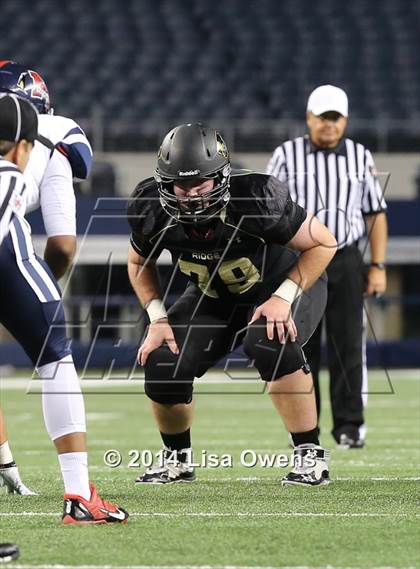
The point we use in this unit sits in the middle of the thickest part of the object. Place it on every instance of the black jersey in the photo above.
(239, 248)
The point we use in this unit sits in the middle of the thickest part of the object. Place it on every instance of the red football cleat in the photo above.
(79, 511)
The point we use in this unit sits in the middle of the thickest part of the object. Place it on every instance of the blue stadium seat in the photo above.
(181, 58)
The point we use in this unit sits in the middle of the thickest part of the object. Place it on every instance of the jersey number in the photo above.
(238, 275)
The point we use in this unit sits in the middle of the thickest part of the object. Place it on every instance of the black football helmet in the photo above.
(25, 83)
(193, 151)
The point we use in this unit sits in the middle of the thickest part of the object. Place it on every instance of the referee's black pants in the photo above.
(344, 328)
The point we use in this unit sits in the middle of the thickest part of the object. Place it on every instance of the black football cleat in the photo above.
(347, 442)
(169, 470)
(310, 467)
(8, 552)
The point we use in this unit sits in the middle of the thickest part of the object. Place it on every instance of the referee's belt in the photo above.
(353, 245)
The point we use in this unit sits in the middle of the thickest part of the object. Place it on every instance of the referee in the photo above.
(18, 131)
(335, 178)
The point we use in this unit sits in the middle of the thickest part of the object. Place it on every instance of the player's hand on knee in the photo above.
(159, 333)
(279, 315)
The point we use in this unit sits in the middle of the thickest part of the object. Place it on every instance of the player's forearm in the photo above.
(377, 228)
(317, 246)
(311, 264)
(144, 279)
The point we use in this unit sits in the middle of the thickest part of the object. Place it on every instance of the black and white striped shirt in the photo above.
(12, 198)
(339, 186)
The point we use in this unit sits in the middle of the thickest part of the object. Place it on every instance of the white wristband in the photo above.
(288, 291)
(156, 310)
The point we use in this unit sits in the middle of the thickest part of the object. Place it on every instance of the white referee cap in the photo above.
(328, 98)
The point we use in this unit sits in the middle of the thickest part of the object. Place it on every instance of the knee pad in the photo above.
(272, 359)
(167, 379)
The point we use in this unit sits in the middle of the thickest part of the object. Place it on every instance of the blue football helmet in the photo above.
(25, 83)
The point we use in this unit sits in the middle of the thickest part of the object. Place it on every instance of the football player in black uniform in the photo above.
(255, 261)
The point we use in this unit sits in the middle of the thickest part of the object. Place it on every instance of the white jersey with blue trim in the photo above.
(50, 172)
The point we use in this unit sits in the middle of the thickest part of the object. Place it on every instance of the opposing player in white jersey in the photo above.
(31, 309)
(64, 153)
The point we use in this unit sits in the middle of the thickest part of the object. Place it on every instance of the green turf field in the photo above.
(235, 516)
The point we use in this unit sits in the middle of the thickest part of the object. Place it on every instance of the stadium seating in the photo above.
(191, 59)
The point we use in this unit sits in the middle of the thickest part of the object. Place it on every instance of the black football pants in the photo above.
(207, 329)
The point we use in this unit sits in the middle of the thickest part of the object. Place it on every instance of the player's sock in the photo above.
(6, 457)
(178, 442)
(74, 468)
(307, 437)
(64, 413)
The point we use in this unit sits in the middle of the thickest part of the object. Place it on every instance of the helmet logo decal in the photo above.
(221, 148)
(21, 82)
(39, 89)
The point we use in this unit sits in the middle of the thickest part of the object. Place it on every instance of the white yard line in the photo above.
(195, 567)
(236, 514)
(259, 479)
(214, 377)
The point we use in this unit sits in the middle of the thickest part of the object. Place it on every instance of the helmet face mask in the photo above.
(25, 83)
(195, 209)
(192, 152)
